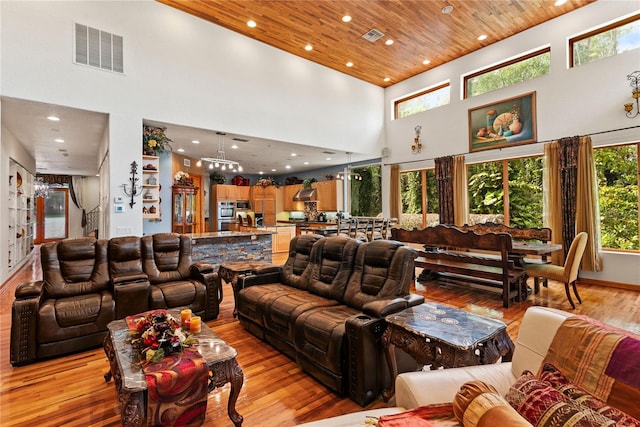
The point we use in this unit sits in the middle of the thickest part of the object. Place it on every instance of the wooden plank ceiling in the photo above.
(420, 30)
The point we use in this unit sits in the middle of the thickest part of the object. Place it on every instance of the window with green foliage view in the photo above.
(416, 211)
(605, 42)
(366, 194)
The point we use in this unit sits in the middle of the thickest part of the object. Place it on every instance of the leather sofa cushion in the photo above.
(281, 311)
(332, 264)
(297, 269)
(125, 259)
(253, 299)
(166, 257)
(183, 293)
(69, 318)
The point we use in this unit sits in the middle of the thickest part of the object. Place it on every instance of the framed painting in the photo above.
(503, 124)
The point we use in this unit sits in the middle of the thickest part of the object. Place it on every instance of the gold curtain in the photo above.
(394, 192)
(552, 215)
(460, 191)
(587, 205)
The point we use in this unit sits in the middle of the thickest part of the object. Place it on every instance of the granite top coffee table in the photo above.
(130, 381)
(444, 337)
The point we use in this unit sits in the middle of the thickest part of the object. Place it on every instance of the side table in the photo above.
(230, 273)
(444, 337)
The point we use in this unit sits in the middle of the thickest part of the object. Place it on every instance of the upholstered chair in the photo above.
(68, 311)
(175, 280)
(131, 287)
(567, 273)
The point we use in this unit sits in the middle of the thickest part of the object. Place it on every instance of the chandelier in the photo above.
(220, 160)
(40, 188)
(350, 175)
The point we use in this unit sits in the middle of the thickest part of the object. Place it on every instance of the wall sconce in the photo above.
(635, 94)
(416, 147)
(132, 189)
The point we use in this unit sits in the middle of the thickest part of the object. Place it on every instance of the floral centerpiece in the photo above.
(266, 182)
(158, 334)
(155, 141)
(182, 178)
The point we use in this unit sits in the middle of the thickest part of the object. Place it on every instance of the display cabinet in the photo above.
(21, 214)
(150, 187)
(185, 208)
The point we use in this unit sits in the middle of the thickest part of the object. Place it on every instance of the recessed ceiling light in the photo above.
(349, 64)
(559, 2)
(260, 173)
(346, 18)
(273, 170)
(97, 174)
(180, 150)
(306, 163)
(287, 167)
(251, 23)
(389, 42)
(482, 37)
(195, 141)
(447, 9)
(386, 79)
(426, 62)
(234, 146)
(328, 158)
(308, 48)
(59, 140)
(53, 118)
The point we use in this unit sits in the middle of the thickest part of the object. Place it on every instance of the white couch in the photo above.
(414, 389)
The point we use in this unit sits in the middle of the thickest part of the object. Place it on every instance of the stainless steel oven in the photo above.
(226, 211)
(227, 225)
(243, 205)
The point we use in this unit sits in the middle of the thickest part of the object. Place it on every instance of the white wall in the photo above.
(570, 101)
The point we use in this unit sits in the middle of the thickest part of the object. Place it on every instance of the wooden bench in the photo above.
(467, 257)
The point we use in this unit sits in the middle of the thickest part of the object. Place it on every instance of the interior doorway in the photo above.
(52, 215)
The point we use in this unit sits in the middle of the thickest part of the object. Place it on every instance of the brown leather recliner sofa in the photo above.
(87, 283)
(325, 308)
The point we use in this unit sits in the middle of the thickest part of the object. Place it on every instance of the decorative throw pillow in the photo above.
(556, 379)
(478, 404)
(544, 406)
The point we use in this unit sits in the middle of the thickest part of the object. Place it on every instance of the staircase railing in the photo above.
(92, 221)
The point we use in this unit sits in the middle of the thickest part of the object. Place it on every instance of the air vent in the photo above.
(372, 35)
(328, 152)
(240, 139)
(98, 49)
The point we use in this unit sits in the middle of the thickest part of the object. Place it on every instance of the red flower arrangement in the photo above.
(158, 334)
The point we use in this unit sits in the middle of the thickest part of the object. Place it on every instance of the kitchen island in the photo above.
(219, 247)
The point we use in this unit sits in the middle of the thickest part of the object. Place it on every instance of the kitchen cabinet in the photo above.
(287, 194)
(224, 193)
(185, 207)
(263, 202)
(150, 187)
(330, 195)
(243, 192)
(281, 238)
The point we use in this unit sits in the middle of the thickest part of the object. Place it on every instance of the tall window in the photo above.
(366, 194)
(419, 199)
(426, 100)
(507, 191)
(604, 42)
(508, 73)
(617, 169)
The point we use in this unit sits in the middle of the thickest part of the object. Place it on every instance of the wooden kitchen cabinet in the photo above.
(330, 195)
(224, 193)
(263, 201)
(281, 238)
(243, 192)
(288, 192)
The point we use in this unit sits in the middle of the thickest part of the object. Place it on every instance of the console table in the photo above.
(444, 337)
(129, 377)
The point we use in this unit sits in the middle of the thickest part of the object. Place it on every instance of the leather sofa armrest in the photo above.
(384, 307)
(29, 290)
(267, 268)
(200, 267)
(413, 300)
(244, 281)
(128, 278)
(24, 327)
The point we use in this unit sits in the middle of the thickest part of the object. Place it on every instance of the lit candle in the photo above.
(185, 315)
(195, 325)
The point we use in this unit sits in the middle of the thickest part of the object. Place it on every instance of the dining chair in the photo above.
(376, 229)
(343, 227)
(362, 228)
(567, 273)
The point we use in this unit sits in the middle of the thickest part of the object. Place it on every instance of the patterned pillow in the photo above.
(556, 379)
(544, 406)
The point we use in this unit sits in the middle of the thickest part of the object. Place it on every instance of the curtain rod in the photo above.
(537, 142)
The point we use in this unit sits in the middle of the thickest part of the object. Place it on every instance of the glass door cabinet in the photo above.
(184, 209)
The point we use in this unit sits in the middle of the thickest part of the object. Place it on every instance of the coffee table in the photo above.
(444, 337)
(129, 378)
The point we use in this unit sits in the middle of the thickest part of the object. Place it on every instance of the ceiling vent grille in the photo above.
(240, 139)
(98, 49)
(372, 35)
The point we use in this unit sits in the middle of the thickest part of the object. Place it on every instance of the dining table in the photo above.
(520, 249)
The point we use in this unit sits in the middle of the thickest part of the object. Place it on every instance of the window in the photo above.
(52, 215)
(617, 171)
(426, 100)
(508, 73)
(366, 194)
(507, 191)
(607, 41)
(419, 199)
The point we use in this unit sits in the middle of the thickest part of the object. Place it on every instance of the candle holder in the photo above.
(635, 94)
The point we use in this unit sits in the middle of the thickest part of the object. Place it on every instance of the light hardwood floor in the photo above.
(71, 391)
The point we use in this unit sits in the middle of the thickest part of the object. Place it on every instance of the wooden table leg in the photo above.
(389, 351)
(236, 379)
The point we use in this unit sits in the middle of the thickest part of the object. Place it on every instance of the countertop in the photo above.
(214, 234)
(307, 223)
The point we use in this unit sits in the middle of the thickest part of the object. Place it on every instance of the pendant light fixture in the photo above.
(220, 160)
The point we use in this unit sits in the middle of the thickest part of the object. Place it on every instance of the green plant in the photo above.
(155, 141)
(217, 178)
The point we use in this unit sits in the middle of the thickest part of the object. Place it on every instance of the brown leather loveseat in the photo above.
(87, 283)
(326, 305)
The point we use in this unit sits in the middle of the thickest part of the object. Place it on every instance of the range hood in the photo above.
(305, 195)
